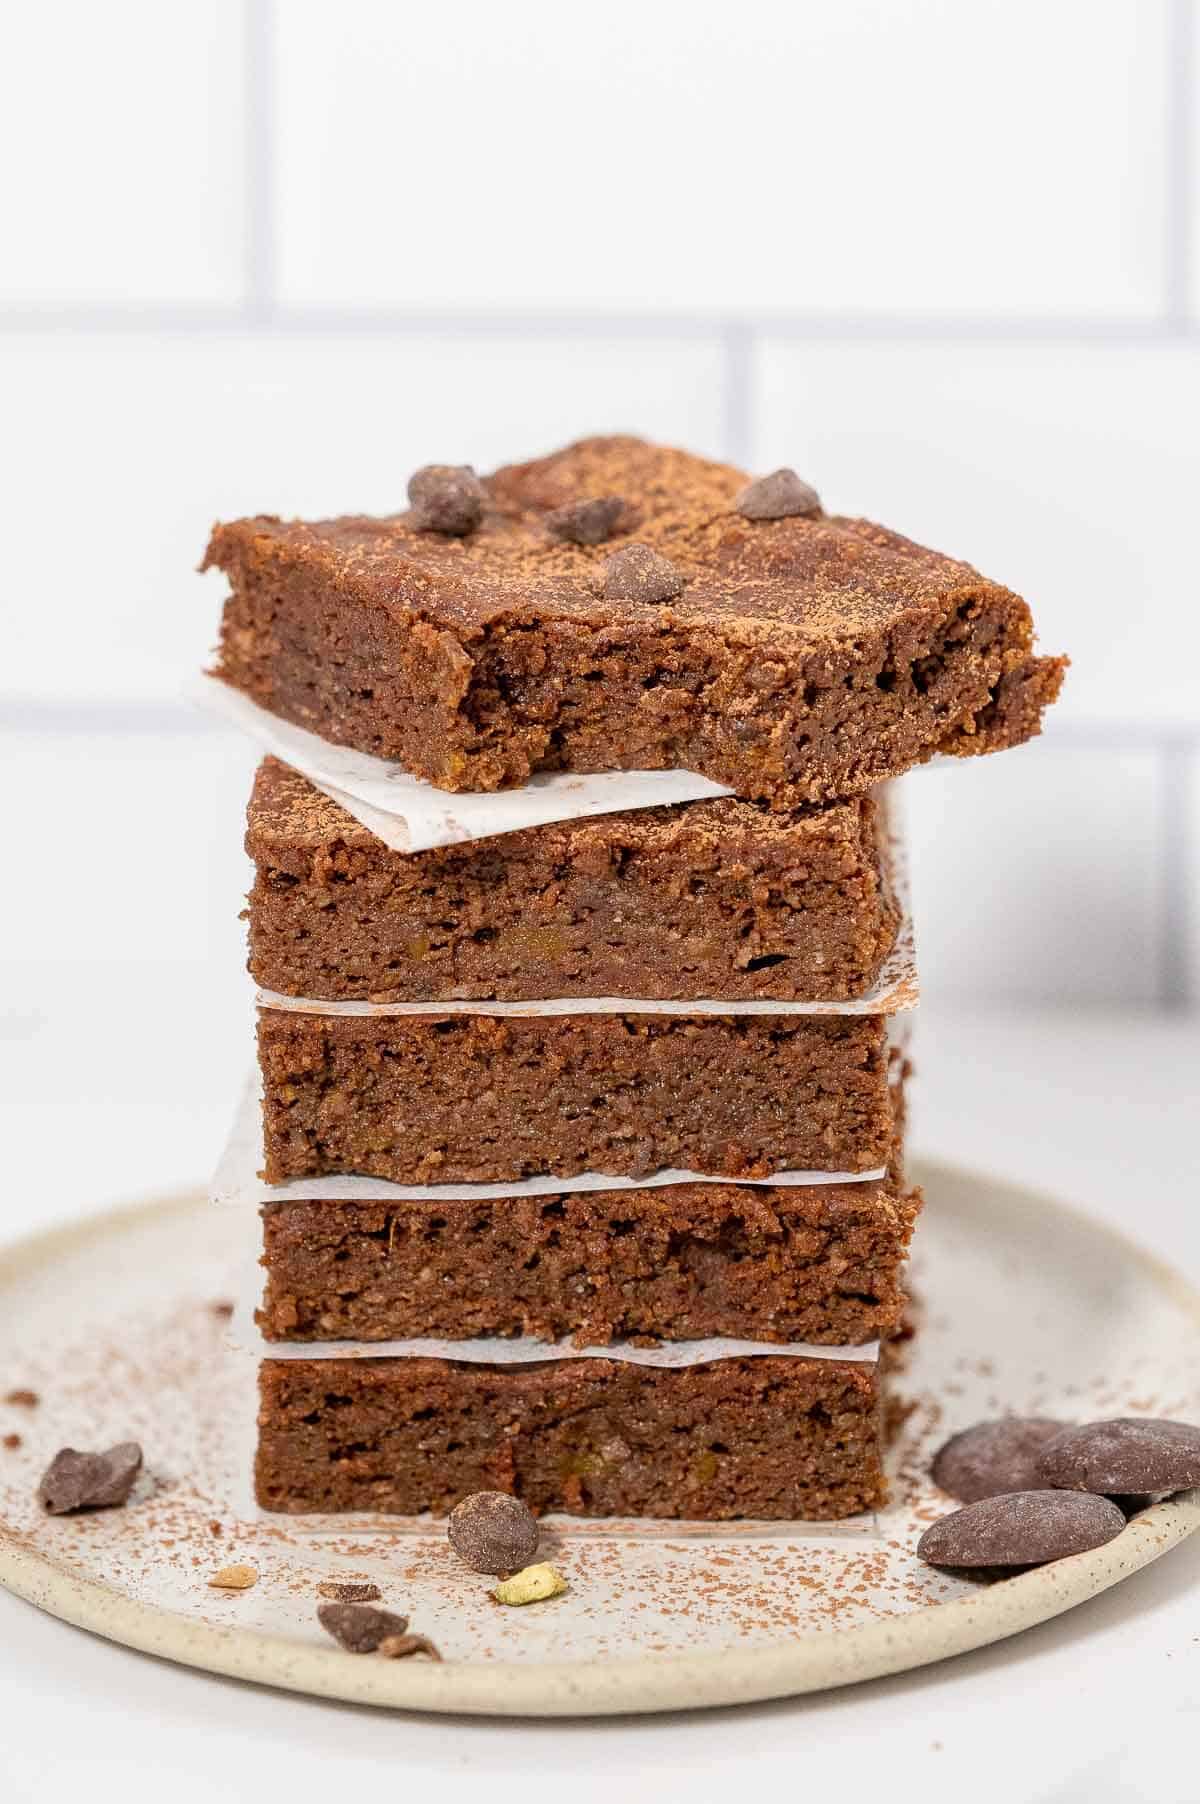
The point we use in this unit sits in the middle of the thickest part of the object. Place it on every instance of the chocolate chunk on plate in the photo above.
(360, 1628)
(491, 1531)
(994, 1457)
(89, 1481)
(1021, 1528)
(1129, 1456)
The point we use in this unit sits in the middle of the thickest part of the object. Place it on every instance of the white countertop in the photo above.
(1101, 1704)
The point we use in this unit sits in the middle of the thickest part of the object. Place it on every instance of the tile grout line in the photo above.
(259, 129)
(260, 315)
(737, 396)
(1179, 249)
(1177, 875)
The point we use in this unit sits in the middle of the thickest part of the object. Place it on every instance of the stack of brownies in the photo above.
(614, 1097)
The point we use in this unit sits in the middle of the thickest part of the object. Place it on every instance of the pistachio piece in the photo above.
(531, 1585)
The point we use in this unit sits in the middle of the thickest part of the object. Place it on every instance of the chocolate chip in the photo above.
(993, 1457)
(493, 1532)
(349, 1593)
(399, 1647)
(586, 522)
(777, 497)
(359, 1628)
(638, 574)
(1021, 1528)
(89, 1481)
(1129, 1456)
(446, 498)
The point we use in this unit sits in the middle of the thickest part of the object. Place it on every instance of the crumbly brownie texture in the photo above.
(767, 1438)
(429, 1099)
(805, 658)
(717, 899)
(820, 1263)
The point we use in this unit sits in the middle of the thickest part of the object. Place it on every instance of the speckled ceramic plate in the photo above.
(1029, 1307)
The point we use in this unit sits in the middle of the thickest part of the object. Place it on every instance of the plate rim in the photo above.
(641, 1684)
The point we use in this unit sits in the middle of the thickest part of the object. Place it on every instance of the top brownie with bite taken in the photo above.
(623, 606)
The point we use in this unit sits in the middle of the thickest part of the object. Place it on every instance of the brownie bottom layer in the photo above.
(772, 1439)
(820, 1262)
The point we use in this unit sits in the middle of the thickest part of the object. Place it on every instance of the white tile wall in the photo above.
(925, 156)
(130, 846)
(1040, 873)
(122, 138)
(267, 256)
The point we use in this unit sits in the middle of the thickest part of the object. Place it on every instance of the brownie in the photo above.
(769, 1438)
(802, 659)
(820, 1263)
(710, 899)
(435, 1099)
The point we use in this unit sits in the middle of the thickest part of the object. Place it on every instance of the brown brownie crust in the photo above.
(805, 660)
(429, 1099)
(820, 1263)
(714, 899)
(766, 1438)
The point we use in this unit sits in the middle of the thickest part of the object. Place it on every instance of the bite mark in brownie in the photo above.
(769, 1438)
(806, 658)
(821, 1263)
(429, 1099)
(717, 899)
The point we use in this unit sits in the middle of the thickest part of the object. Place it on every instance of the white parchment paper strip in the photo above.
(236, 1180)
(410, 815)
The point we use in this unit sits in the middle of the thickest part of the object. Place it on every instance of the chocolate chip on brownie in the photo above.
(493, 1532)
(358, 1627)
(636, 573)
(446, 498)
(778, 496)
(1130, 1456)
(994, 1457)
(1021, 1528)
(89, 1481)
(587, 522)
